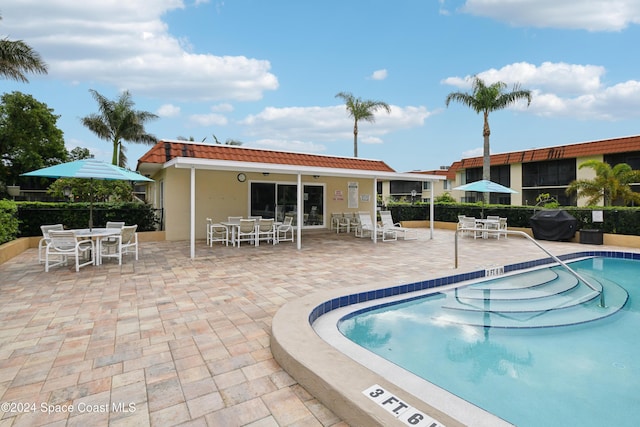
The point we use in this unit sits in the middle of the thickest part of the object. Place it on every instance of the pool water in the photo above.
(579, 375)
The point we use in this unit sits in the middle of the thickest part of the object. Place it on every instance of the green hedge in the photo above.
(76, 215)
(8, 221)
(617, 220)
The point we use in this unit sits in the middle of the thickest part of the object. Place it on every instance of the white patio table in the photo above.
(98, 234)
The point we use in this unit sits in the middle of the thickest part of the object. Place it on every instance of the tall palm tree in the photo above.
(17, 58)
(486, 99)
(611, 185)
(118, 122)
(360, 109)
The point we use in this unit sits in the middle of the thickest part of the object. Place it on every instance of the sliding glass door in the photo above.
(275, 200)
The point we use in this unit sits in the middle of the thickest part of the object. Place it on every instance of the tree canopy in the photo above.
(29, 137)
(359, 109)
(486, 99)
(117, 122)
(611, 185)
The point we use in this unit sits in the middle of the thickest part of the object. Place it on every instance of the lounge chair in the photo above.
(405, 233)
(367, 228)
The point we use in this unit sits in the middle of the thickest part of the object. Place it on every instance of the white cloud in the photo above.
(126, 44)
(330, 123)
(561, 89)
(168, 110)
(208, 119)
(602, 15)
(379, 75)
(222, 108)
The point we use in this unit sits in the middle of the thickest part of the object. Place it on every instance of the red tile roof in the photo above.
(449, 173)
(607, 146)
(164, 151)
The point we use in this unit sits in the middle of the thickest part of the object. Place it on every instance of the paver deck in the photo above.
(168, 340)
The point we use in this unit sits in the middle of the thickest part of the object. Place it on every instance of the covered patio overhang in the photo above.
(298, 171)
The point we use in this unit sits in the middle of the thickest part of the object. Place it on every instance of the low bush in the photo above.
(8, 221)
(616, 219)
(76, 215)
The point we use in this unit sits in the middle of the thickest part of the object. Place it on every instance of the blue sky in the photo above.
(267, 72)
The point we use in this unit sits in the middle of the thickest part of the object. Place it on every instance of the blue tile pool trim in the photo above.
(347, 300)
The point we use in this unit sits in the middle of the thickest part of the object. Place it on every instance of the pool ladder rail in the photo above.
(599, 290)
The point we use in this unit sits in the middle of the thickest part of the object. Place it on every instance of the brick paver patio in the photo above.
(168, 340)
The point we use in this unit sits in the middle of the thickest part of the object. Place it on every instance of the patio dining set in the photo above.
(237, 229)
(491, 226)
(88, 246)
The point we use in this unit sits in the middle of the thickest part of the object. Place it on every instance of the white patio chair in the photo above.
(64, 244)
(217, 232)
(246, 231)
(42, 244)
(335, 218)
(266, 230)
(284, 232)
(343, 222)
(121, 244)
(113, 224)
(387, 223)
(467, 227)
(503, 227)
(492, 227)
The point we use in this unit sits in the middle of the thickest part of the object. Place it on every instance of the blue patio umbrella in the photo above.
(485, 186)
(89, 169)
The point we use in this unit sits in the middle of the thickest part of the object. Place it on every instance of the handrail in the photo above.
(555, 258)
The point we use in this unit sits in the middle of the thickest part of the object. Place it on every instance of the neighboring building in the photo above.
(195, 181)
(417, 191)
(545, 170)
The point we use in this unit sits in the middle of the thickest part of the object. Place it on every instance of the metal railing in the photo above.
(555, 258)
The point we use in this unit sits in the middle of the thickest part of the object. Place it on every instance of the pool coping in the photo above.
(338, 381)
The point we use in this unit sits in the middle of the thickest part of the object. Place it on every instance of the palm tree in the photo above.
(359, 109)
(610, 186)
(486, 99)
(119, 122)
(17, 58)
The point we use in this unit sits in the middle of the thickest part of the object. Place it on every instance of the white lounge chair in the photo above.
(367, 228)
(405, 233)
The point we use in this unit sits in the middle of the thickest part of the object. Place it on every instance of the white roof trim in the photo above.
(242, 166)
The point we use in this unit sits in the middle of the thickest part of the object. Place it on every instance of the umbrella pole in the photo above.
(91, 206)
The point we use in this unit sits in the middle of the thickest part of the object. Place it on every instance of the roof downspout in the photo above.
(192, 231)
(299, 209)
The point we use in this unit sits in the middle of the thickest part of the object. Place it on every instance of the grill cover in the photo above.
(553, 225)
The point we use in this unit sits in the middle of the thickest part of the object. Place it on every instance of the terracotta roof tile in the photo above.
(164, 151)
(607, 146)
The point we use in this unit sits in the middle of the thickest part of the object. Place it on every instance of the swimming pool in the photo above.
(583, 373)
